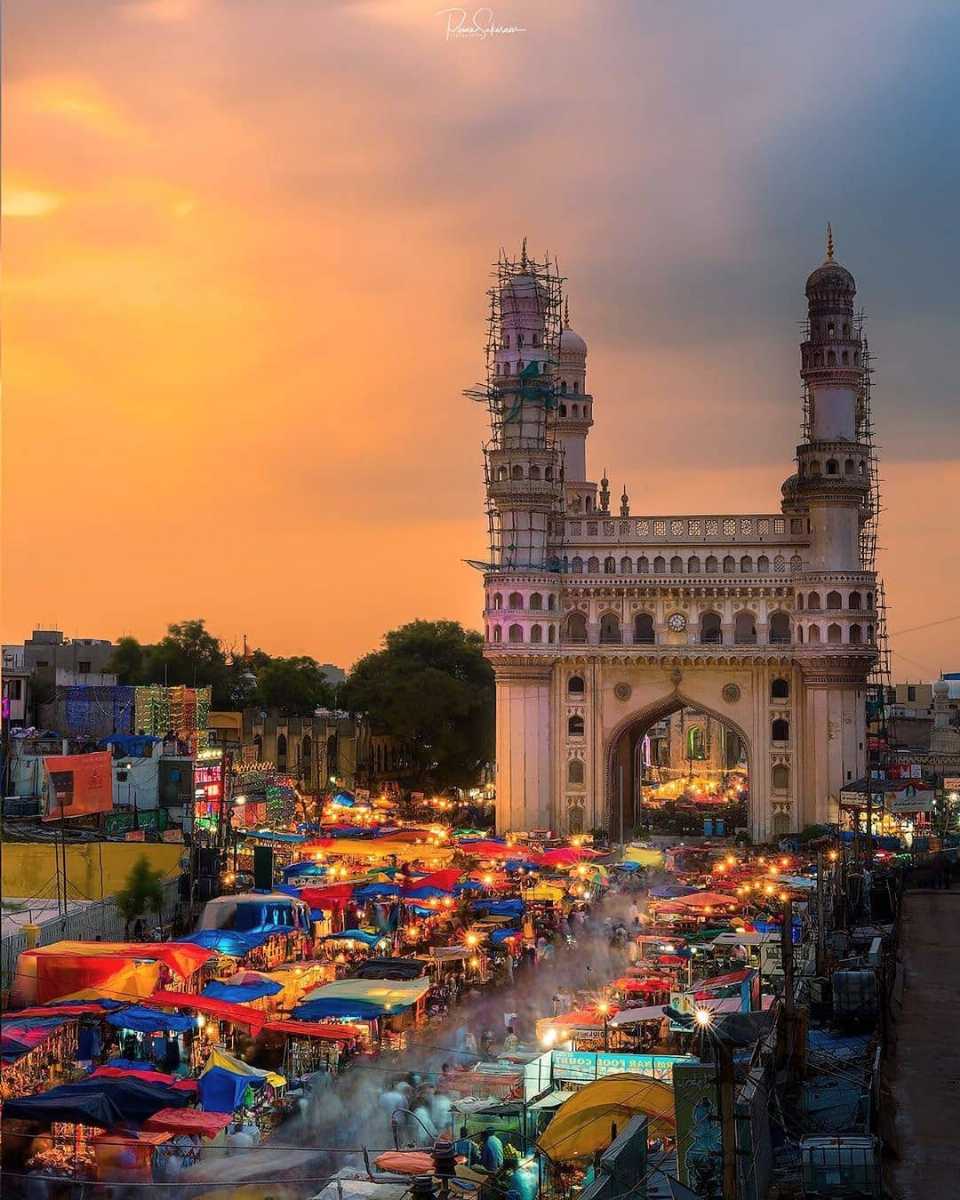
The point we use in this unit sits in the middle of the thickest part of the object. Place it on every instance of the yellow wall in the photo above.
(30, 868)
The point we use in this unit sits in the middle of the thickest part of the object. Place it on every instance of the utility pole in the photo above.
(821, 913)
(728, 1124)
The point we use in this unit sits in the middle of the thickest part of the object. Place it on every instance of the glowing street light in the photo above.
(703, 1017)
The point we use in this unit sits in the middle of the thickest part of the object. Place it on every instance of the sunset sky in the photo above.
(247, 244)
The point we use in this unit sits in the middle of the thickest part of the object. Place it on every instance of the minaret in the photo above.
(833, 479)
(525, 484)
(575, 412)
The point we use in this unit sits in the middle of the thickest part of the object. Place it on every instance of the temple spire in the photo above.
(829, 242)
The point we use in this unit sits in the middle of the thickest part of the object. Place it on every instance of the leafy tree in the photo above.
(142, 893)
(295, 686)
(431, 687)
(128, 660)
(189, 654)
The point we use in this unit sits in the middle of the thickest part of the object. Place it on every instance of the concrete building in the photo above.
(48, 651)
(601, 623)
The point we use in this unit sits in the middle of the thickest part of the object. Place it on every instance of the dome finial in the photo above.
(566, 312)
(523, 255)
(829, 242)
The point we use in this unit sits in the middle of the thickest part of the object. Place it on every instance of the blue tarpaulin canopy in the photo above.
(499, 936)
(370, 891)
(241, 993)
(222, 1090)
(270, 835)
(498, 908)
(426, 893)
(670, 891)
(226, 941)
(150, 1020)
(354, 935)
(57, 1105)
(337, 1006)
(344, 799)
(130, 1064)
(304, 867)
(131, 745)
(467, 885)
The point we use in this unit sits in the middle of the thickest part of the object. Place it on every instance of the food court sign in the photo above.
(583, 1066)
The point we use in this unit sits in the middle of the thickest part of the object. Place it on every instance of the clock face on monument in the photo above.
(677, 622)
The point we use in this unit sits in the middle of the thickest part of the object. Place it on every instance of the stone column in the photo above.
(524, 739)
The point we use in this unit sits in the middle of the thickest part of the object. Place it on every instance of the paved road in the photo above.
(925, 1073)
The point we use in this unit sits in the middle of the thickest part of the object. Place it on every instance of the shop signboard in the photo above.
(696, 1100)
(910, 800)
(951, 783)
(79, 784)
(583, 1066)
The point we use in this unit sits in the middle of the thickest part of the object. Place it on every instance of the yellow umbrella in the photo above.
(583, 1124)
(645, 856)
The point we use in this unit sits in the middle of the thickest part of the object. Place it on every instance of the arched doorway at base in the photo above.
(677, 767)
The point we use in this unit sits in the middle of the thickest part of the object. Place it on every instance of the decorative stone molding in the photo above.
(731, 692)
(623, 691)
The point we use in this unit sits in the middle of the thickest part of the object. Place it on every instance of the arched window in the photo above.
(711, 632)
(713, 566)
(575, 685)
(576, 385)
(515, 633)
(834, 635)
(577, 628)
(779, 563)
(781, 778)
(548, 472)
(813, 602)
(746, 565)
(848, 467)
(575, 726)
(552, 634)
(815, 467)
(870, 634)
(729, 564)
(610, 565)
(281, 750)
(593, 566)
(813, 635)
(515, 600)
(869, 599)
(575, 819)
(626, 566)
(831, 358)
(536, 601)
(575, 771)
(800, 601)
(780, 730)
(643, 629)
(833, 467)
(536, 634)
(497, 600)
(780, 689)
(763, 563)
(745, 629)
(534, 472)
(800, 634)
(696, 743)
(796, 562)
(576, 410)
(854, 601)
(497, 633)
(693, 566)
(643, 565)
(834, 600)
(610, 628)
(780, 629)
(563, 389)
(501, 472)
(516, 471)
(856, 634)
(676, 565)
(576, 565)
(659, 565)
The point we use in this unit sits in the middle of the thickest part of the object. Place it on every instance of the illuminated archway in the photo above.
(624, 756)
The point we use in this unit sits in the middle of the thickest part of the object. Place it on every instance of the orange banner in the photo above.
(79, 784)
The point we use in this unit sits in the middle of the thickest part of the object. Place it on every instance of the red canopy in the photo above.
(650, 984)
(179, 1085)
(223, 1010)
(492, 850)
(188, 1120)
(327, 1030)
(335, 896)
(584, 1016)
(56, 1010)
(443, 880)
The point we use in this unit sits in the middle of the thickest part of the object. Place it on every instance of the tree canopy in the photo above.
(431, 687)
(293, 686)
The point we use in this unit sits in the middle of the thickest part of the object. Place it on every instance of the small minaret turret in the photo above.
(624, 503)
(833, 476)
(604, 492)
(575, 411)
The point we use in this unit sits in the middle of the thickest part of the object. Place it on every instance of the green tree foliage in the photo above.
(431, 687)
(294, 686)
(128, 660)
(142, 893)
